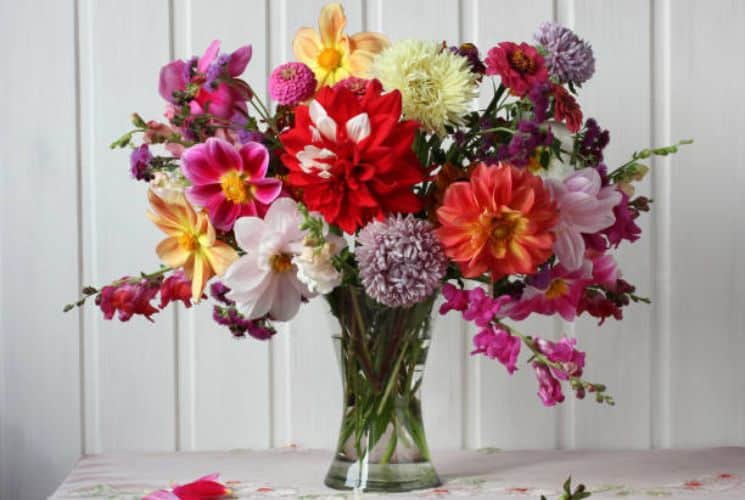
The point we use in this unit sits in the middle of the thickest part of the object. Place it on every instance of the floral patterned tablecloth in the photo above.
(717, 473)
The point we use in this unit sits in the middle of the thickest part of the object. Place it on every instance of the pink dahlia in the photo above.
(229, 183)
(585, 207)
(292, 83)
(559, 292)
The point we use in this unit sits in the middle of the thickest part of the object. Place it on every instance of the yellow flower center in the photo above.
(188, 241)
(558, 288)
(280, 262)
(503, 227)
(234, 187)
(329, 58)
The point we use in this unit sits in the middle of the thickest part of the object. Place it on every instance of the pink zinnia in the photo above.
(229, 183)
(292, 83)
(561, 293)
(585, 207)
(519, 66)
(497, 343)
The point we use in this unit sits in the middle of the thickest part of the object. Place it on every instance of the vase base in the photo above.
(393, 477)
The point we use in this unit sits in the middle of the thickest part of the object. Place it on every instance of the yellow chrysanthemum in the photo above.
(437, 86)
(333, 55)
(191, 243)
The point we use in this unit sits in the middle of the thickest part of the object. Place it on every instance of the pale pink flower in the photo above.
(264, 280)
(605, 271)
(584, 207)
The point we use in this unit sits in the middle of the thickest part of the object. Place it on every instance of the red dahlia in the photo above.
(351, 156)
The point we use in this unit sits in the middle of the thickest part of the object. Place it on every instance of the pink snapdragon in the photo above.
(229, 183)
(475, 304)
(549, 389)
(585, 207)
(497, 343)
(560, 291)
(605, 271)
(563, 352)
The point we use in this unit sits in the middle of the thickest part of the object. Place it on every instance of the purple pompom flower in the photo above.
(568, 57)
(401, 261)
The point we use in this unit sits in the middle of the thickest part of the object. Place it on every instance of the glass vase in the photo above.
(381, 350)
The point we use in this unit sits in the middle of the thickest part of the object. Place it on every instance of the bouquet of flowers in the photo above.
(376, 181)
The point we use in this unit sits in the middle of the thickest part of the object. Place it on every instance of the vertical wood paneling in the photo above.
(707, 225)
(618, 96)
(228, 378)
(306, 351)
(506, 403)
(132, 402)
(40, 411)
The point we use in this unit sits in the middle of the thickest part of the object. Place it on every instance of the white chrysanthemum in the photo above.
(436, 85)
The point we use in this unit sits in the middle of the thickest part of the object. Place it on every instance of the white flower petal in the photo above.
(358, 127)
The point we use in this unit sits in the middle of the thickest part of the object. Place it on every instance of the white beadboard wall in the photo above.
(73, 384)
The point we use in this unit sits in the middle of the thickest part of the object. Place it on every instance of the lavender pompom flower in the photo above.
(568, 57)
(401, 261)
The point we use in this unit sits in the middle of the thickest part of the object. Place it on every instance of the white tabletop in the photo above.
(717, 473)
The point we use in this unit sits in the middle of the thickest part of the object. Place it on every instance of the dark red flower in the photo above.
(128, 299)
(566, 109)
(351, 158)
(176, 287)
(519, 66)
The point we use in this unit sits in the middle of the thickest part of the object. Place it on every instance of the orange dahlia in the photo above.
(498, 221)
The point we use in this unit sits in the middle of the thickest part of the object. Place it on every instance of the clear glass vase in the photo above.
(381, 350)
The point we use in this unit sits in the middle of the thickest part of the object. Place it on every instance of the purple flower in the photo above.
(568, 57)
(498, 344)
(594, 140)
(549, 389)
(538, 95)
(530, 135)
(219, 290)
(400, 259)
(471, 53)
(139, 162)
(292, 83)
(563, 352)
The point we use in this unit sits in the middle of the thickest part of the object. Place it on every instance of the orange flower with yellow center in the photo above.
(332, 55)
(191, 243)
(499, 221)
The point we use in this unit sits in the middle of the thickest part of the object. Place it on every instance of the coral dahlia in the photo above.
(498, 221)
(351, 157)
